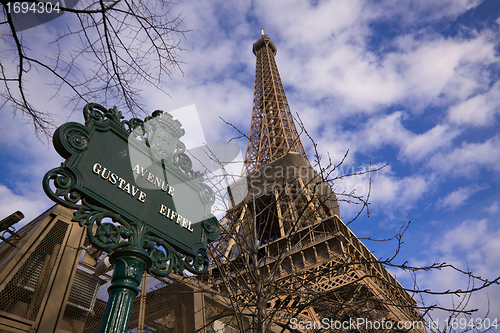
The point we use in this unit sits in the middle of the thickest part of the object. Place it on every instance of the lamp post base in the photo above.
(129, 265)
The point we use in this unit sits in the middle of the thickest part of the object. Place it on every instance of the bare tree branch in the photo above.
(119, 45)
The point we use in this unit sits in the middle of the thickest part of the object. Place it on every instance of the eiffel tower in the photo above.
(284, 243)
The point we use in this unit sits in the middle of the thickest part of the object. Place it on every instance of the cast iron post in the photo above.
(129, 265)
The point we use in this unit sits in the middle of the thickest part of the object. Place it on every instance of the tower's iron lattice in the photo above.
(272, 130)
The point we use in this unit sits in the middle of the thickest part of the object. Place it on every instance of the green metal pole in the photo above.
(129, 265)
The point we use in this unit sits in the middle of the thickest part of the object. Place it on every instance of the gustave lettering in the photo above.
(121, 183)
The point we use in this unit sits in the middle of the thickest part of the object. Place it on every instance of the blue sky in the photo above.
(411, 83)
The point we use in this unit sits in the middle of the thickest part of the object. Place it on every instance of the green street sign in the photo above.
(132, 186)
(137, 174)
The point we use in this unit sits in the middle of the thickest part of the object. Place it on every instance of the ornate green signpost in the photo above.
(131, 184)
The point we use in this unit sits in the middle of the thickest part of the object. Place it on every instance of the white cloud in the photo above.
(478, 110)
(425, 11)
(433, 63)
(467, 236)
(459, 196)
(389, 193)
(469, 159)
(418, 146)
(31, 204)
(25, 160)
(394, 192)
(329, 145)
(474, 245)
(494, 208)
(388, 130)
(307, 23)
(331, 57)
(455, 198)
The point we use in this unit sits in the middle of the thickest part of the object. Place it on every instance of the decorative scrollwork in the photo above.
(165, 259)
(108, 233)
(121, 234)
(211, 226)
(114, 114)
(207, 194)
(180, 148)
(159, 259)
(78, 140)
(94, 111)
(103, 117)
(169, 260)
(71, 138)
(106, 236)
(132, 124)
(198, 264)
(184, 162)
(64, 180)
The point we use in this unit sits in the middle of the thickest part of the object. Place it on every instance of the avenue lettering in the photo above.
(173, 216)
(121, 183)
(153, 179)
